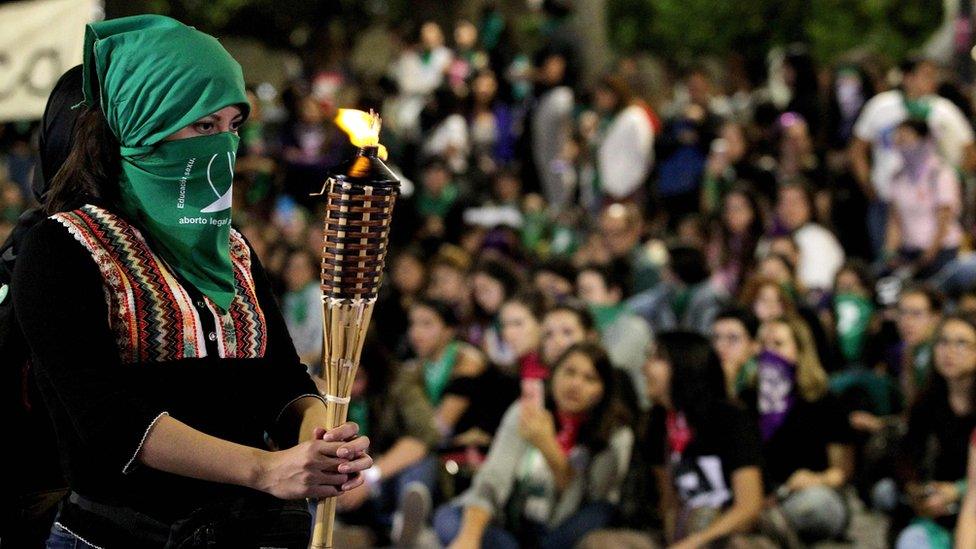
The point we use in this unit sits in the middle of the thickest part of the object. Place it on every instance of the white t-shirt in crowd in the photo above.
(883, 113)
(627, 152)
(821, 256)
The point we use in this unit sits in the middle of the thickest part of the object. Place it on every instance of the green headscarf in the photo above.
(153, 76)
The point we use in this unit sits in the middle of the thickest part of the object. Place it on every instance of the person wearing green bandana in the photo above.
(454, 375)
(919, 312)
(624, 334)
(154, 334)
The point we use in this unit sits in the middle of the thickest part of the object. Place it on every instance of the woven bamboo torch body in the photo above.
(360, 199)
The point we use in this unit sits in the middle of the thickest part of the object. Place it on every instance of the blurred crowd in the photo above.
(669, 305)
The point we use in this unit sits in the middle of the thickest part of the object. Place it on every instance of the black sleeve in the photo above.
(837, 425)
(60, 303)
(294, 381)
(655, 437)
(743, 448)
(913, 446)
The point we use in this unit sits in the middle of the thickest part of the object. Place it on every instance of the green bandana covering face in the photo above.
(853, 314)
(605, 315)
(181, 194)
(153, 76)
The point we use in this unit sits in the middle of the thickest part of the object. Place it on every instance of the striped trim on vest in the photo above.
(151, 314)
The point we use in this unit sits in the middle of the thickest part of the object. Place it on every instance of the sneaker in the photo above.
(412, 515)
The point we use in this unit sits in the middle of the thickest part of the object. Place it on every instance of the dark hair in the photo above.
(862, 271)
(919, 126)
(619, 88)
(802, 186)
(936, 393)
(92, 167)
(609, 413)
(558, 266)
(532, 300)
(746, 252)
(577, 309)
(697, 379)
(502, 271)
(911, 63)
(615, 274)
(934, 297)
(688, 264)
(440, 308)
(742, 316)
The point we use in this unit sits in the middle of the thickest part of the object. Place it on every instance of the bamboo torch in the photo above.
(359, 205)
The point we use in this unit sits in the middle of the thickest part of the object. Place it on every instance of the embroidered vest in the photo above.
(150, 313)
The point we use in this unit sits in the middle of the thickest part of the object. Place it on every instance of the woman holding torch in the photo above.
(156, 340)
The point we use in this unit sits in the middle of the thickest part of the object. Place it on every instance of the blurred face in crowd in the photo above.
(732, 343)
(576, 385)
(737, 213)
(735, 142)
(699, 88)
(488, 292)
(793, 208)
(657, 373)
(484, 87)
(773, 267)
(435, 179)
(311, 111)
(966, 303)
(298, 271)
(447, 284)
(916, 319)
(508, 188)
(428, 334)
(786, 247)
(552, 285)
(769, 303)
(520, 329)
(431, 35)
(560, 330)
(955, 350)
(408, 274)
(796, 137)
(553, 70)
(776, 337)
(604, 100)
(924, 80)
(465, 35)
(848, 282)
(592, 289)
(620, 229)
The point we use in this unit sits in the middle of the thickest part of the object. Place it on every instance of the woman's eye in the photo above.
(204, 127)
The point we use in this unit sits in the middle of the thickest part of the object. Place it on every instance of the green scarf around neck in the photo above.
(152, 76)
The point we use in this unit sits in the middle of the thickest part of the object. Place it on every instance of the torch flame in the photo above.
(363, 128)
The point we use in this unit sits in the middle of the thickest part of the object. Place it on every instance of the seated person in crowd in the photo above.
(455, 377)
(924, 229)
(555, 468)
(806, 441)
(521, 330)
(687, 298)
(624, 334)
(734, 339)
(932, 456)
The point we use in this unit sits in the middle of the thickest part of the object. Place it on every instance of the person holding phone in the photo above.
(554, 472)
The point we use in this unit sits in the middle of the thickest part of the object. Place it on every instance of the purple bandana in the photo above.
(777, 379)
